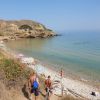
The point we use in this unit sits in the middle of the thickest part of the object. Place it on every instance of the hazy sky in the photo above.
(60, 15)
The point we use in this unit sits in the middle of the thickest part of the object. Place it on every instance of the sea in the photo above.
(77, 53)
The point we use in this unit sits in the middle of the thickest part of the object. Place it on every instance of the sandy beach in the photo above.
(69, 85)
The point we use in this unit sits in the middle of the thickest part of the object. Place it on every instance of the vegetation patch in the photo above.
(12, 69)
(25, 27)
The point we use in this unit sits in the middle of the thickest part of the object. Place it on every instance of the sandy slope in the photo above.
(17, 95)
(10, 94)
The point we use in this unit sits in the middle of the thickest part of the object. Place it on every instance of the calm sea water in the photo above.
(75, 52)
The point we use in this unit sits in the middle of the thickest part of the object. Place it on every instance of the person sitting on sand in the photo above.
(48, 86)
(33, 85)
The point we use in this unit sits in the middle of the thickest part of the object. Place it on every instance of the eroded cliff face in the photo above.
(24, 29)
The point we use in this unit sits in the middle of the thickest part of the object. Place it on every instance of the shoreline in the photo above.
(73, 76)
(78, 87)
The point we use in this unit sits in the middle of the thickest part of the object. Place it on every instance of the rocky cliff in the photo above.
(24, 29)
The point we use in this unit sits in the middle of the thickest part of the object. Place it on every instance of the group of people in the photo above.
(33, 85)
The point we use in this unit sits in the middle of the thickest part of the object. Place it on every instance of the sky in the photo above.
(59, 15)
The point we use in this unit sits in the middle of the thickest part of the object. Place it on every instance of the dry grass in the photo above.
(11, 72)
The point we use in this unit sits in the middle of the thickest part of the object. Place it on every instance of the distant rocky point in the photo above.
(14, 29)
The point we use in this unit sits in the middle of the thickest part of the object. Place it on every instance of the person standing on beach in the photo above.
(33, 85)
(48, 86)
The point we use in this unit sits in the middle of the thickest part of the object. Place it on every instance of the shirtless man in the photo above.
(33, 85)
(48, 87)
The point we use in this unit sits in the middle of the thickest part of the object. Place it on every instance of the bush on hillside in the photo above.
(12, 69)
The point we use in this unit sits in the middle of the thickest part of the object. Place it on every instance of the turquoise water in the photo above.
(75, 52)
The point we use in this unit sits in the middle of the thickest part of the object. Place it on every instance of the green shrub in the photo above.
(25, 27)
(12, 69)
